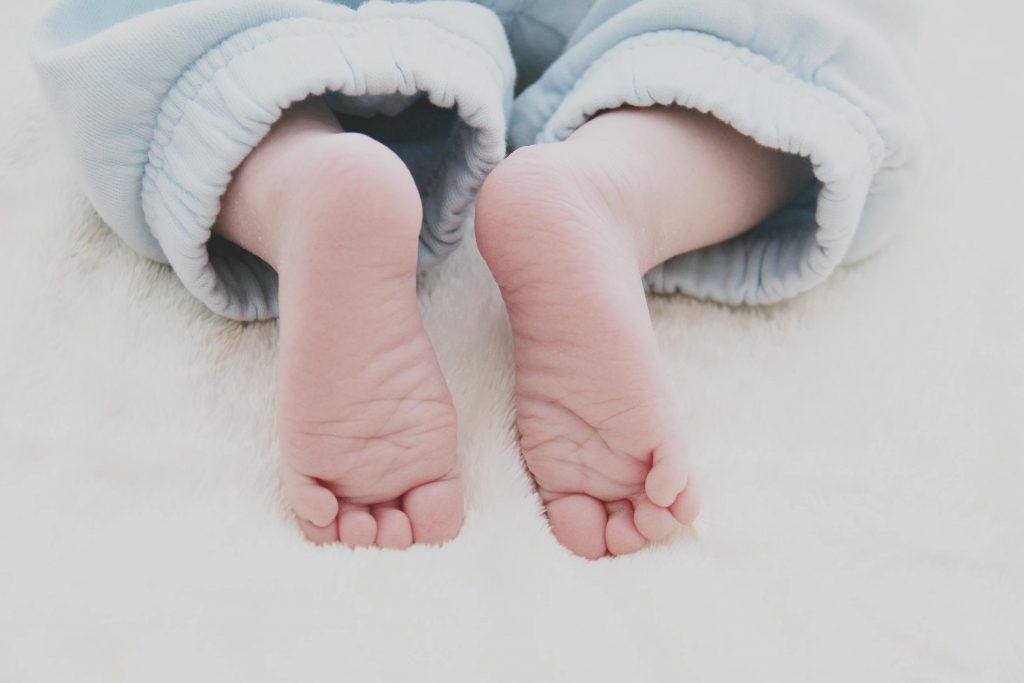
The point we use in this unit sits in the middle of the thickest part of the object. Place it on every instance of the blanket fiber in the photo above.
(860, 450)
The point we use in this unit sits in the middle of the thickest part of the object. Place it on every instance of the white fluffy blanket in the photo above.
(860, 451)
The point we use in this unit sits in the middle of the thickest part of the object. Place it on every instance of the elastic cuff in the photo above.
(224, 105)
(799, 246)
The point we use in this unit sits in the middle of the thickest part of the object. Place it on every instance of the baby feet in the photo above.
(367, 426)
(366, 423)
(598, 428)
(568, 229)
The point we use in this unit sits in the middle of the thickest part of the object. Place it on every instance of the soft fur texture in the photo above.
(859, 449)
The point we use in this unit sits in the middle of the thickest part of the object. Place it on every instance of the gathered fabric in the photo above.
(160, 101)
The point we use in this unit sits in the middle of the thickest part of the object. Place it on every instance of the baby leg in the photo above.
(568, 229)
(366, 423)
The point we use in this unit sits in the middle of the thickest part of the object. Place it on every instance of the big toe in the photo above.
(435, 511)
(578, 522)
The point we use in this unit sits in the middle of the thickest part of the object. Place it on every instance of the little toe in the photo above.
(654, 522)
(578, 522)
(621, 535)
(686, 506)
(321, 535)
(309, 499)
(435, 511)
(668, 476)
(356, 526)
(393, 528)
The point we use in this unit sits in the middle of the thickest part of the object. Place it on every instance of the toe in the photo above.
(321, 535)
(621, 535)
(578, 522)
(393, 527)
(668, 476)
(356, 526)
(435, 511)
(686, 506)
(309, 499)
(654, 522)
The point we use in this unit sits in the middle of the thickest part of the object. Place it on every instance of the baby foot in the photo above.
(366, 422)
(599, 430)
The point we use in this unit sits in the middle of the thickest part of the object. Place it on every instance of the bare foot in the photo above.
(567, 230)
(367, 426)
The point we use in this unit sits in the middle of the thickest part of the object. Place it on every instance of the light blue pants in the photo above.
(161, 100)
